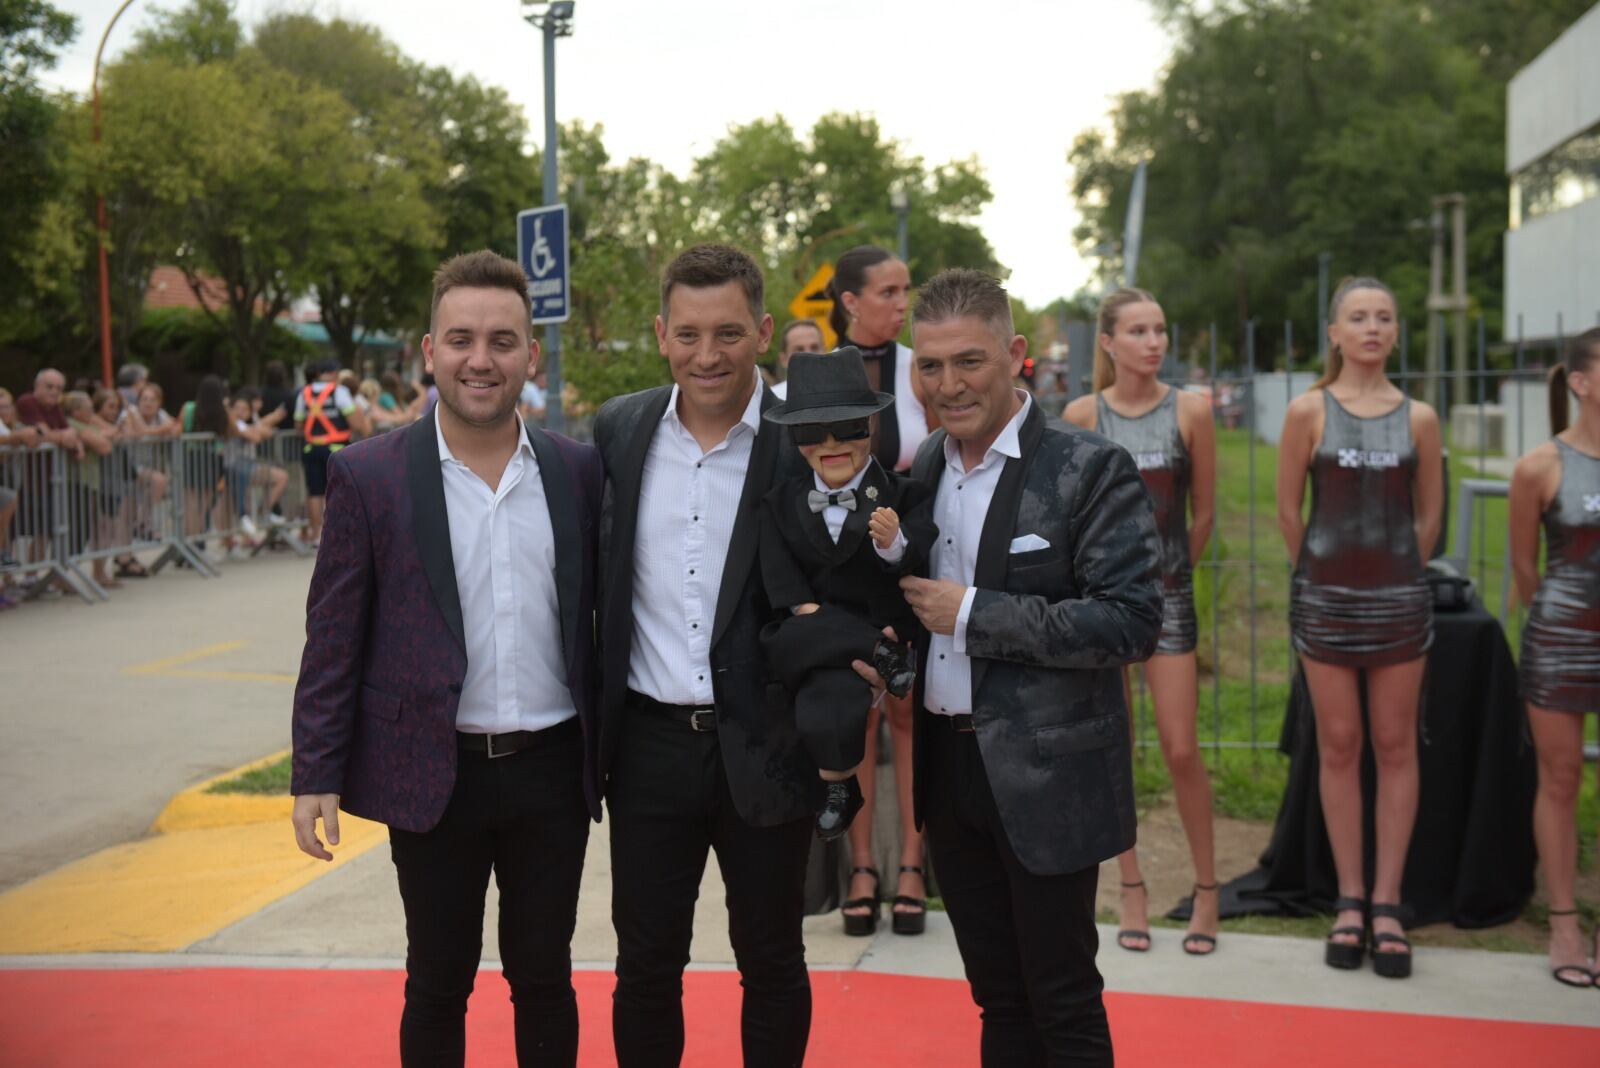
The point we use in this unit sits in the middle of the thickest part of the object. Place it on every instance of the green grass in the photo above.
(270, 779)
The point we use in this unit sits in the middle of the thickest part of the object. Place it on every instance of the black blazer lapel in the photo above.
(742, 544)
(626, 483)
(560, 499)
(430, 521)
(999, 523)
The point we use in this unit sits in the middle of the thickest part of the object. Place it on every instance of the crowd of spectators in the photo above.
(91, 473)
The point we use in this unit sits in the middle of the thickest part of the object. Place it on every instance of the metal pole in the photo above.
(1216, 588)
(100, 214)
(903, 238)
(554, 418)
(1250, 377)
(1521, 386)
(1458, 279)
(1324, 259)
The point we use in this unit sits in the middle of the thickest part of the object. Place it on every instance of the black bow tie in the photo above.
(845, 498)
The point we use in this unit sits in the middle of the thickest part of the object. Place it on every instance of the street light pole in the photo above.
(554, 20)
(100, 214)
(901, 203)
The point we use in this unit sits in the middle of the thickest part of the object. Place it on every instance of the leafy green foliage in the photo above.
(1282, 129)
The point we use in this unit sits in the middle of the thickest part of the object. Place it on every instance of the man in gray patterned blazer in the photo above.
(1045, 580)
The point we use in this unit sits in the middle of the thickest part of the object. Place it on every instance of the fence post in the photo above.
(1216, 587)
(1250, 375)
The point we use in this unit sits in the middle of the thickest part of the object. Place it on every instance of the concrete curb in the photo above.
(195, 809)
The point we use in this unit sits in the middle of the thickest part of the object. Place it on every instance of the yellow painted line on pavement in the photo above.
(172, 667)
(165, 664)
(213, 860)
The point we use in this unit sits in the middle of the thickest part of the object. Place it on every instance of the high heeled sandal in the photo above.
(1127, 933)
(1347, 954)
(861, 924)
(1200, 945)
(915, 920)
(1571, 974)
(1391, 964)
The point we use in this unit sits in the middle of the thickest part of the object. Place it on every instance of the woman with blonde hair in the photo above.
(1170, 436)
(1557, 485)
(1359, 604)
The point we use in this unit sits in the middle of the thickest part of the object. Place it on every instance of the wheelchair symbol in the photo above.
(540, 259)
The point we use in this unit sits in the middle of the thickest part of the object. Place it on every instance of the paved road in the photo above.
(89, 753)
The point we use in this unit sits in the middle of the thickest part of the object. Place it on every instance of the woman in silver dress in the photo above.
(1170, 436)
(1359, 601)
(1557, 485)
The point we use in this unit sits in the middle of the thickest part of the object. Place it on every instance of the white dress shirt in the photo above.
(959, 509)
(909, 414)
(834, 514)
(505, 561)
(688, 501)
(781, 390)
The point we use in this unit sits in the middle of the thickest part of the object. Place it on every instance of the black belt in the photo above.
(699, 718)
(960, 723)
(499, 745)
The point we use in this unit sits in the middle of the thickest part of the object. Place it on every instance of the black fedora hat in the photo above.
(828, 388)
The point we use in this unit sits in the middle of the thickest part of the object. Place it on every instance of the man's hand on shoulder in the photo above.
(308, 808)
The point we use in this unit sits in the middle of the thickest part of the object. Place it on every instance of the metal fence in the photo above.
(1491, 413)
(144, 504)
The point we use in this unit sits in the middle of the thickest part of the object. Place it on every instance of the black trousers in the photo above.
(1027, 941)
(812, 655)
(669, 804)
(522, 816)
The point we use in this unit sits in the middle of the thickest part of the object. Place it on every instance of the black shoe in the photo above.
(1347, 954)
(839, 807)
(897, 665)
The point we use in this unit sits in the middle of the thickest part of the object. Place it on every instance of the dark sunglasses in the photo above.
(817, 433)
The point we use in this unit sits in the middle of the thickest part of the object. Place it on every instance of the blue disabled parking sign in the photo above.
(542, 251)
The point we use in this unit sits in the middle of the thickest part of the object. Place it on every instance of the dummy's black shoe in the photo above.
(896, 665)
(839, 806)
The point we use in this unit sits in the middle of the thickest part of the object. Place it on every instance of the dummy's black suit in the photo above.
(860, 595)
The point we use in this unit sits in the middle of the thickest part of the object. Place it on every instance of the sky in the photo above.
(1011, 82)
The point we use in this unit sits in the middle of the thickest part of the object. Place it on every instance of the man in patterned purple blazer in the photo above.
(447, 687)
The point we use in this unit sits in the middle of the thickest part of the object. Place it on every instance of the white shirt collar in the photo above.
(446, 456)
(752, 411)
(1008, 444)
(854, 483)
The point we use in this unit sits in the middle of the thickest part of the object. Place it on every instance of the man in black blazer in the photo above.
(1045, 581)
(698, 749)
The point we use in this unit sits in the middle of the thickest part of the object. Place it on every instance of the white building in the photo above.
(1552, 267)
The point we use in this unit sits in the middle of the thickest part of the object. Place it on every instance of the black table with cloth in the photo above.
(1471, 860)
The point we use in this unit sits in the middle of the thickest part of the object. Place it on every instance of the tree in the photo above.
(1284, 128)
(31, 34)
(388, 228)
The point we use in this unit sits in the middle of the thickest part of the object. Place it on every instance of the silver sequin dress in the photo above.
(1560, 666)
(1358, 597)
(1155, 442)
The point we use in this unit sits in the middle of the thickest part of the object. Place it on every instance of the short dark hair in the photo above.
(479, 270)
(131, 374)
(796, 324)
(705, 266)
(961, 293)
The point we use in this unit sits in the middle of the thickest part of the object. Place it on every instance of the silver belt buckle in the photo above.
(706, 725)
(489, 741)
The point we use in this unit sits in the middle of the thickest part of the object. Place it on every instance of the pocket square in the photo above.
(1028, 543)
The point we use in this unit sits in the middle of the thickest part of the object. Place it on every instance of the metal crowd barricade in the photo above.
(36, 532)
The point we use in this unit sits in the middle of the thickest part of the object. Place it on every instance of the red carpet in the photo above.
(240, 1018)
